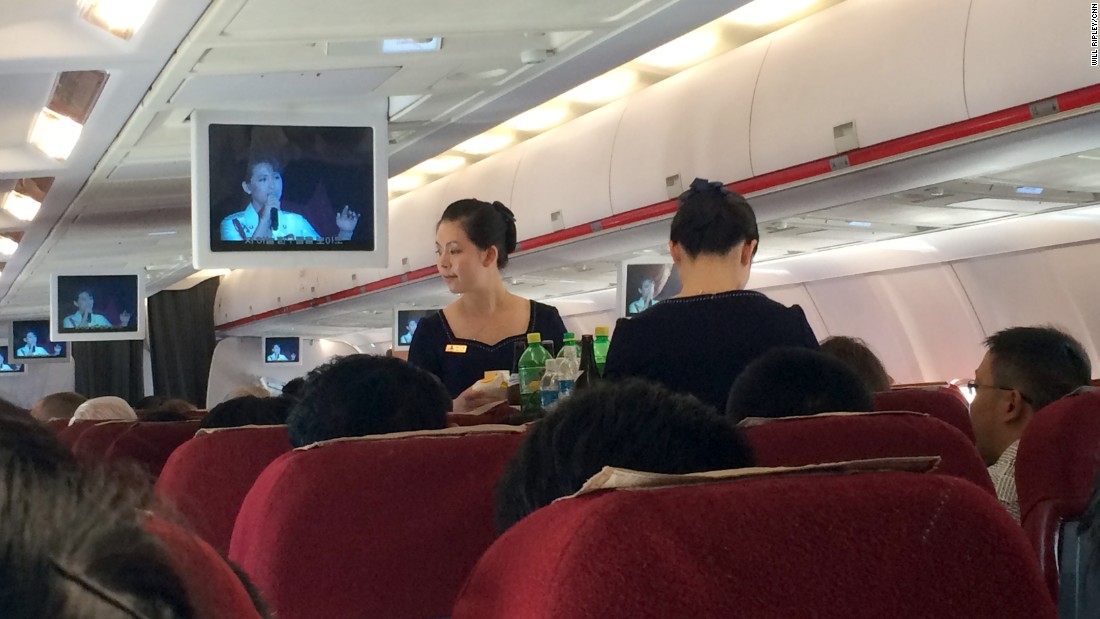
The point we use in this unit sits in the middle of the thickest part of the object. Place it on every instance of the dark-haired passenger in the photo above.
(1023, 370)
(25, 440)
(264, 217)
(794, 382)
(248, 410)
(855, 353)
(359, 395)
(628, 424)
(478, 331)
(293, 387)
(57, 406)
(699, 341)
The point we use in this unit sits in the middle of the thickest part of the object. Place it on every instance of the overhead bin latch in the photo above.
(1046, 107)
(839, 163)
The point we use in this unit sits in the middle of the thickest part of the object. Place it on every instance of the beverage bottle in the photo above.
(600, 346)
(532, 365)
(570, 363)
(589, 372)
(548, 386)
(569, 341)
(513, 378)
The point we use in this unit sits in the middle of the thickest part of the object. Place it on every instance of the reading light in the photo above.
(485, 143)
(441, 165)
(607, 87)
(764, 12)
(21, 206)
(121, 18)
(7, 246)
(682, 51)
(54, 134)
(405, 182)
(539, 118)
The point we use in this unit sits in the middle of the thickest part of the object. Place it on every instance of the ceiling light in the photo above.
(682, 51)
(539, 118)
(860, 224)
(402, 46)
(767, 271)
(485, 143)
(1030, 191)
(441, 165)
(7, 246)
(764, 12)
(121, 18)
(405, 182)
(21, 206)
(54, 134)
(161, 233)
(607, 87)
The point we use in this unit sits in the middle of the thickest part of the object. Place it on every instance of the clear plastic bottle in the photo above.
(548, 385)
(600, 346)
(532, 365)
(569, 341)
(569, 363)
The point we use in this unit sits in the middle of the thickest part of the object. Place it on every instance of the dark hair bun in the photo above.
(509, 226)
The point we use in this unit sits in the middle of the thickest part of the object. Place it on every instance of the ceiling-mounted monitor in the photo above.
(646, 282)
(97, 307)
(286, 190)
(30, 341)
(283, 350)
(8, 368)
(405, 322)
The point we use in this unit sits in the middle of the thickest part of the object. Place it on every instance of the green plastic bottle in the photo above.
(568, 340)
(532, 365)
(599, 346)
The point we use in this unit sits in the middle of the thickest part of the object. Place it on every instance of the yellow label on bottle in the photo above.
(456, 348)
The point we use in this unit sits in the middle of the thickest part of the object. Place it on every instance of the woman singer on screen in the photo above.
(263, 218)
(699, 340)
(86, 318)
(478, 331)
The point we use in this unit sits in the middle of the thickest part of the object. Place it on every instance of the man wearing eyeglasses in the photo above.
(1024, 369)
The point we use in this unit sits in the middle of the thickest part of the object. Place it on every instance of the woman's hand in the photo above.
(472, 399)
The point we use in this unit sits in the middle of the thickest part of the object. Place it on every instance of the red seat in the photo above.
(95, 441)
(57, 424)
(212, 586)
(941, 403)
(1058, 458)
(207, 478)
(373, 527)
(855, 546)
(798, 441)
(71, 434)
(150, 443)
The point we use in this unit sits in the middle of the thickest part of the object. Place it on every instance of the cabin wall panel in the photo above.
(695, 124)
(239, 361)
(894, 68)
(39, 380)
(567, 170)
(800, 296)
(1019, 51)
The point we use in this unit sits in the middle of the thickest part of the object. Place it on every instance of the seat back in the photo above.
(71, 434)
(854, 546)
(214, 589)
(798, 441)
(150, 443)
(385, 526)
(57, 424)
(95, 441)
(207, 477)
(938, 402)
(1056, 463)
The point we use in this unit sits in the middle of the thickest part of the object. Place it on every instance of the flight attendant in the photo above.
(478, 331)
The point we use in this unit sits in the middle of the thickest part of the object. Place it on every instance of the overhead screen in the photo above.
(282, 350)
(405, 323)
(7, 368)
(644, 283)
(31, 341)
(97, 307)
(286, 190)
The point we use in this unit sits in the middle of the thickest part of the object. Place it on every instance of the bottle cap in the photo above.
(601, 331)
(568, 336)
(534, 338)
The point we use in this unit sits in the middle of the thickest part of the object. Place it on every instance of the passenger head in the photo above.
(149, 402)
(103, 409)
(11, 407)
(87, 553)
(629, 424)
(248, 411)
(472, 242)
(254, 390)
(1024, 369)
(359, 395)
(713, 222)
(792, 382)
(854, 353)
(57, 406)
(25, 440)
(293, 387)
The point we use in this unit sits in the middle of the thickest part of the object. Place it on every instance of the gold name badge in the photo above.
(456, 348)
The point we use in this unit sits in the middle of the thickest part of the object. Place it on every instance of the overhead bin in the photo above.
(1019, 51)
(891, 68)
(490, 179)
(694, 124)
(567, 170)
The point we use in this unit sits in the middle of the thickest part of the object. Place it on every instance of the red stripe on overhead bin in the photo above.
(1016, 115)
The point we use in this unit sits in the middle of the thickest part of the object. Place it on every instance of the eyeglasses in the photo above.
(974, 386)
